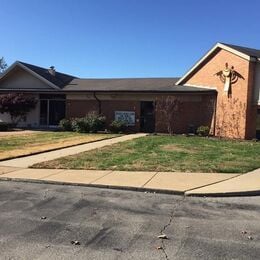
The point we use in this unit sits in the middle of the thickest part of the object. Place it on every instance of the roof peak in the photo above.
(43, 68)
(239, 46)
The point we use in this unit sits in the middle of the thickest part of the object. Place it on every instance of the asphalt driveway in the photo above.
(39, 221)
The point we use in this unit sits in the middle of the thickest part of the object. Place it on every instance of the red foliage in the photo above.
(17, 105)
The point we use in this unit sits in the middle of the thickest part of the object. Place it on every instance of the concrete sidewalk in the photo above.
(245, 184)
(164, 182)
(27, 161)
(190, 184)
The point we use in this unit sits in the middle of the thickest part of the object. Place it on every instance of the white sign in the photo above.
(126, 116)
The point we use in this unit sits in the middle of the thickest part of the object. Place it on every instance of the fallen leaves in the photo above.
(162, 236)
(244, 232)
(75, 242)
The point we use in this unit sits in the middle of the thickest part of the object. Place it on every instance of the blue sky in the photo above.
(123, 38)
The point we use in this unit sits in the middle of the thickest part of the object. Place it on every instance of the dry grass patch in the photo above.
(13, 146)
(167, 153)
(175, 148)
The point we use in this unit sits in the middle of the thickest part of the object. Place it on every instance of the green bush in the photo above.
(79, 125)
(95, 122)
(203, 130)
(65, 125)
(91, 123)
(118, 126)
(4, 126)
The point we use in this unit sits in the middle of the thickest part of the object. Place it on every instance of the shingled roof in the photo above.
(59, 79)
(248, 51)
(130, 85)
(68, 83)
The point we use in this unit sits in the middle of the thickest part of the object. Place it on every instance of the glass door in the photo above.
(44, 112)
(52, 111)
(56, 111)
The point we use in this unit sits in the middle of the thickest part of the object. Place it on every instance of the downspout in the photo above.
(99, 102)
(215, 115)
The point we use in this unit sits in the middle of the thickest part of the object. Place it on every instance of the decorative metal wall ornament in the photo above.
(228, 76)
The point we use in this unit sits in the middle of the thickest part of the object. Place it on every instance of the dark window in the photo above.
(52, 96)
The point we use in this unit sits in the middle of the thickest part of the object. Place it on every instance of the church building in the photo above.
(220, 91)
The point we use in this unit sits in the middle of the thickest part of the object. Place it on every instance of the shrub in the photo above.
(65, 125)
(95, 122)
(118, 126)
(203, 130)
(17, 105)
(91, 123)
(4, 126)
(79, 125)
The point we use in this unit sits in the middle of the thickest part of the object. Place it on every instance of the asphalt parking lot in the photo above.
(41, 221)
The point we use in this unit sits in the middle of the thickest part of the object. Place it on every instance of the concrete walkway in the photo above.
(27, 161)
(246, 184)
(190, 184)
(165, 182)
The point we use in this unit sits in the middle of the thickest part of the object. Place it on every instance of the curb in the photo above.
(225, 194)
(138, 189)
(128, 188)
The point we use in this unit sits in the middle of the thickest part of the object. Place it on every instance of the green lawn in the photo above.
(168, 153)
(25, 144)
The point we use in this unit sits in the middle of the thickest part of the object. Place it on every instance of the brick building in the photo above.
(221, 91)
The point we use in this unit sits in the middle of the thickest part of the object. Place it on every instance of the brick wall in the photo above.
(251, 113)
(108, 108)
(235, 115)
(79, 108)
(191, 110)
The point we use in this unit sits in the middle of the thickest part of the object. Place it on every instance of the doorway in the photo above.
(258, 124)
(52, 109)
(147, 118)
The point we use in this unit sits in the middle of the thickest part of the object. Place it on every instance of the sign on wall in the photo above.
(126, 116)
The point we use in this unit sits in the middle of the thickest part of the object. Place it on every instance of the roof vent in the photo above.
(52, 70)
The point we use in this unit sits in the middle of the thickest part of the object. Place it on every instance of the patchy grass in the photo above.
(13, 146)
(167, 153)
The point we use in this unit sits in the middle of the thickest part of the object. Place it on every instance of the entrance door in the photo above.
(51, 111)
(147, 123)
(44, 112)
(258, 124)
(56, 111)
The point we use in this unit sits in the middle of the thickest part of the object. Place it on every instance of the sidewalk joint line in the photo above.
(199, 187)
(150, 179)
(62, 170)
(101, 177)
(17, 169)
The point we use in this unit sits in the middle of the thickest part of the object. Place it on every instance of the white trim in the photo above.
(17, 63)
(220, 46)
(200, 86)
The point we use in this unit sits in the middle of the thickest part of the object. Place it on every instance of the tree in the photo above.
(3, 65)
(231, 118)
(169, 107)
(17, 105)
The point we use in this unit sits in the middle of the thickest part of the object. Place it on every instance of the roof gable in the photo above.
(59, 79)
(20, 79)
(243, 52)
(56, 82)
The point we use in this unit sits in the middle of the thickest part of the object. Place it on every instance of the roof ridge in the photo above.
(36, 66)
(128, 78)
(240, 46)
